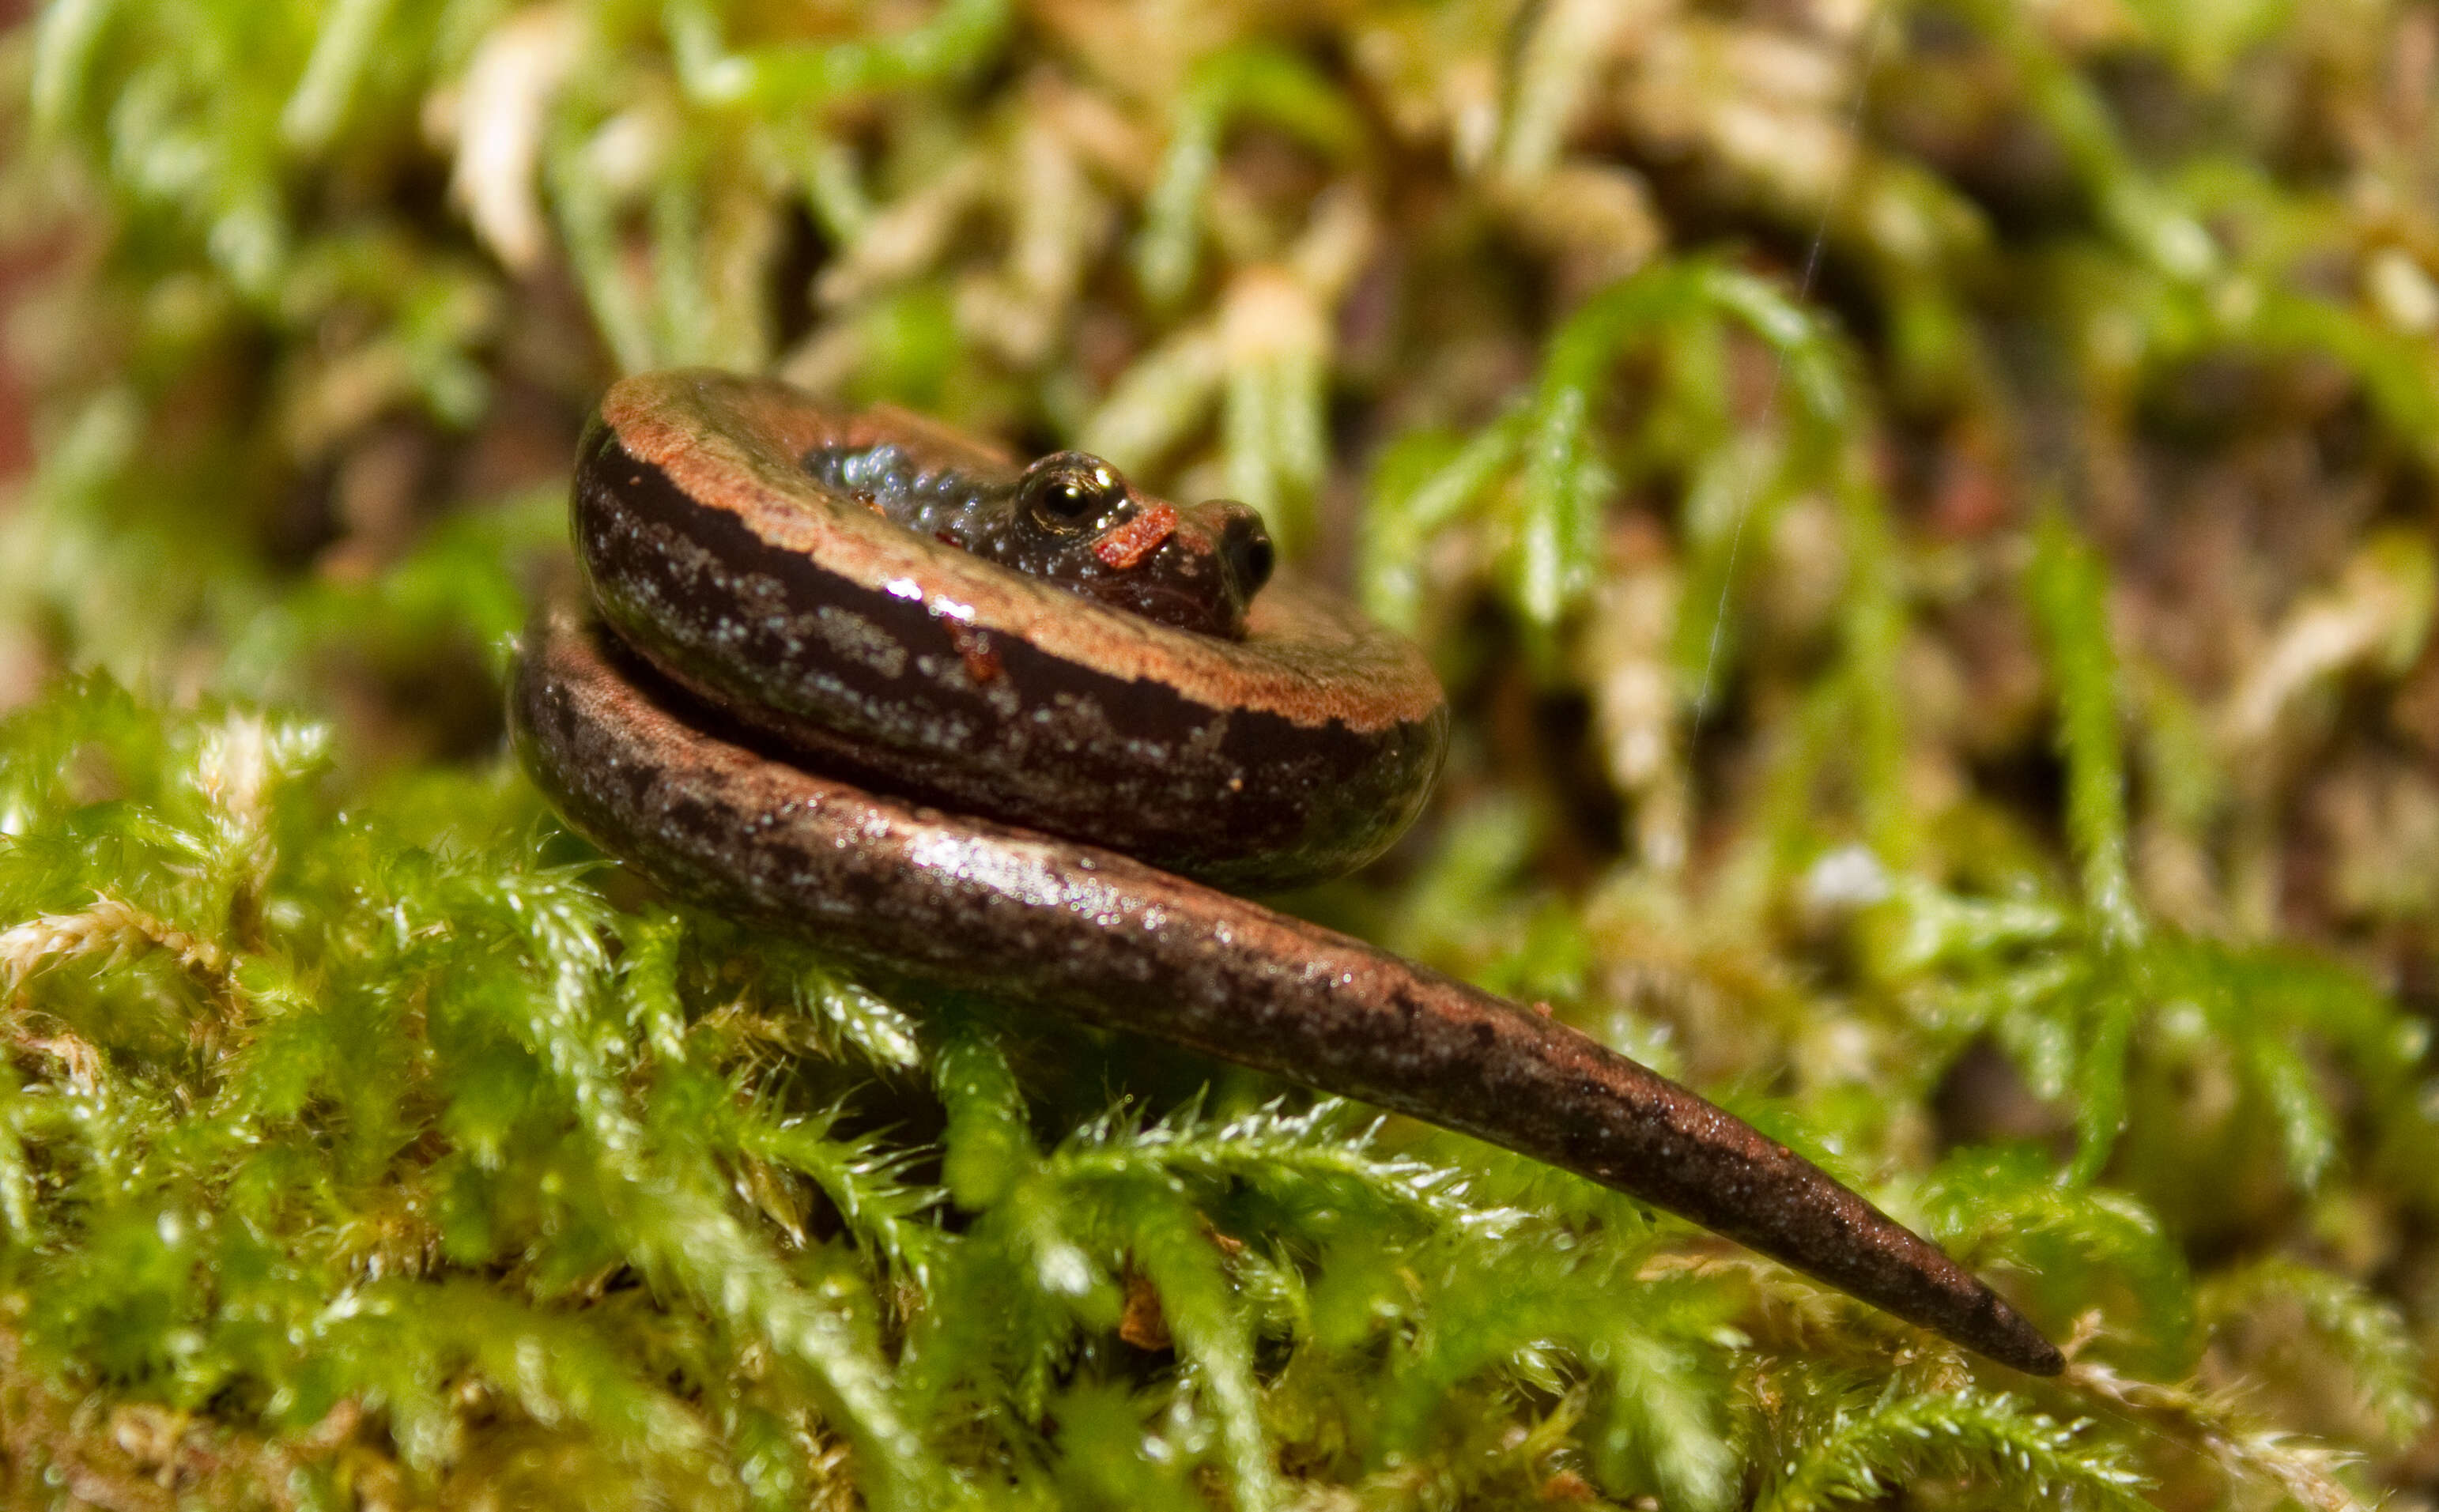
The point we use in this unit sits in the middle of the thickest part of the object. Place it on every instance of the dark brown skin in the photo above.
(720, 814)
(1296, 752)
(1071, 520)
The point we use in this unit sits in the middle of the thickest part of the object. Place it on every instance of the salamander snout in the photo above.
(1245, 548)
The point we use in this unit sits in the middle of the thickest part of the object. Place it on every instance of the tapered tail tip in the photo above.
(2003, 1335)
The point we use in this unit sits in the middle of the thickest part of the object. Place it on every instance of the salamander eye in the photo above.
(1067, 492)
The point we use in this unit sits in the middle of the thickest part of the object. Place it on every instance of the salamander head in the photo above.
(1073, 521)
(1196, 567)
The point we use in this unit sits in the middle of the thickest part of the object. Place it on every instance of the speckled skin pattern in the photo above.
(724, 813)
(1296, 752)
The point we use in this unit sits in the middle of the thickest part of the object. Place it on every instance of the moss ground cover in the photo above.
(1925, 512)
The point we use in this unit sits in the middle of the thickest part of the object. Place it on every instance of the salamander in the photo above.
(1019, 729)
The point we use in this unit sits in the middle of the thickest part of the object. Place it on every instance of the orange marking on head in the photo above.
(1124, 546)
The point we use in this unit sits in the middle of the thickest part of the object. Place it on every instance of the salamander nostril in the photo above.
(1249, 554)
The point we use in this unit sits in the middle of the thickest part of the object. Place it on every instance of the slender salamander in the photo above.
(1011, 729)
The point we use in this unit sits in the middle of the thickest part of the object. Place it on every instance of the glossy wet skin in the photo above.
(1294, 749)
(1071, 518)
(729, 544)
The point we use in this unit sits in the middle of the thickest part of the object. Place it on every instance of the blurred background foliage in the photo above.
(1924, 510)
